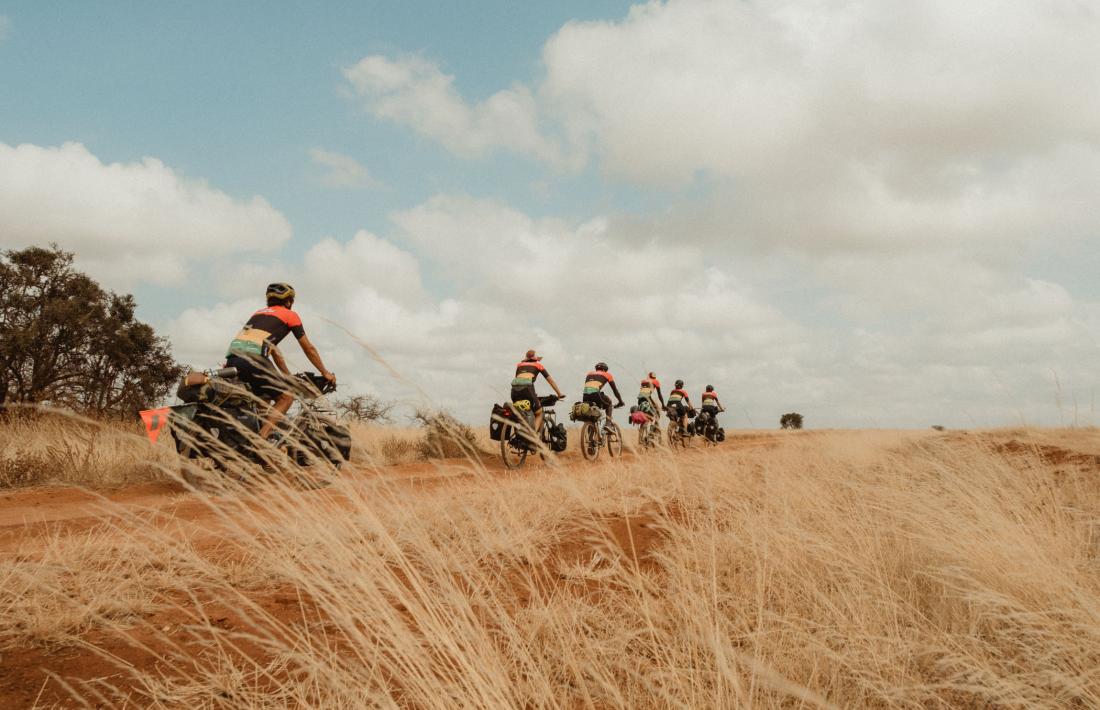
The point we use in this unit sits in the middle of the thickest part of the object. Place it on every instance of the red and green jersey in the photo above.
(527, 372)
(267, 327)
(594, 381)
(710, 399)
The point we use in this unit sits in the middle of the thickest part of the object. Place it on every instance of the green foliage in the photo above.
(66, 341)
(790, 420)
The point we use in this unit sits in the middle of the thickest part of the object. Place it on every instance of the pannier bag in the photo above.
(721, 434)
(496, 423)
(585, 412)
(558, 438)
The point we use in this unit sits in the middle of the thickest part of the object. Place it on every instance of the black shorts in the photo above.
(598, 398)
(527, 392)
(259, 375)
(710, 409)
(676, 410)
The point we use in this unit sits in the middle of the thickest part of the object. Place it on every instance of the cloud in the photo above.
(414, 91)
(342, 171)
(128, 223)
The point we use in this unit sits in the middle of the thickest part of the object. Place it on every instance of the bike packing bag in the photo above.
(638, 418)
(496, 426)
(585, 412)
(558, 438)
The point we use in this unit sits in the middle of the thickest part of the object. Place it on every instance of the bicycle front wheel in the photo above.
(614, 438)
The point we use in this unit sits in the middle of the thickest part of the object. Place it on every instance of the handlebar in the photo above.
(317, 381)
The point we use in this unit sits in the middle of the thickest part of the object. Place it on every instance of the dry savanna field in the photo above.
(797, 569)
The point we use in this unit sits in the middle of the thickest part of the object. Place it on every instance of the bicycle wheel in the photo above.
(643, 437)
(512, 448)
(614, 437)
(590, 441)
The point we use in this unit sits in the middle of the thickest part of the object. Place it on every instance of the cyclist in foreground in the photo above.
(255, 353)
(594, 383)
(678, 405)
(523, 384)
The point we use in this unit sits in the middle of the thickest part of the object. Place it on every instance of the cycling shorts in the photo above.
(527, 392)
(599, 398)
(260, 376)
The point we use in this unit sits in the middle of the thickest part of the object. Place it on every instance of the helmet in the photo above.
(602, 366)
(679, 384)
(281, 291)
(653, 375)
(710, 388)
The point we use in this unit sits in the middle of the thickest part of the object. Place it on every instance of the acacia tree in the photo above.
(65, 340)
(364, 408)
(790, 420)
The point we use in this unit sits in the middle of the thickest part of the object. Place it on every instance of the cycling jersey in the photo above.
(710, 399)
(676, 395)
(649, 385)
(527, 372)
(267, 327)
(594, 381)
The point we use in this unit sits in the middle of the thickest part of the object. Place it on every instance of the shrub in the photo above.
(444, 436)
(790, 420)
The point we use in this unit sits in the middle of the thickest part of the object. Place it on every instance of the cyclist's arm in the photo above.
(661, 397)
(315, 357)
(550, 381)
(615, 389)
(280, 361)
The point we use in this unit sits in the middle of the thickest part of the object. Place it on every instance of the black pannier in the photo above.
(496, 425)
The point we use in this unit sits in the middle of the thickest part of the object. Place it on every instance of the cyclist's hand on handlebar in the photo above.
(620, 404)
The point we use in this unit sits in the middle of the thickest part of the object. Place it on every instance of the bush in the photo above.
(445, 437)
(790, 420)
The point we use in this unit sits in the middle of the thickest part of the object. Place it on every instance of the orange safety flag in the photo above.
(154, 419)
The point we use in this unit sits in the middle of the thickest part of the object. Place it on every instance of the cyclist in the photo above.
(711, 405)
(523, 384)
(646, 403)
(649, 385)
(678, 405)
(593, 388)
(257, 345)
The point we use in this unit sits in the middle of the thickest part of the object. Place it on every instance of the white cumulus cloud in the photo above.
(414, 91)
(127, 222)
(342, 171)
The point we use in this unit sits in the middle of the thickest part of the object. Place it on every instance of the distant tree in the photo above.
(64, 340)
(364, 408)
(790, 420)
(938, 427)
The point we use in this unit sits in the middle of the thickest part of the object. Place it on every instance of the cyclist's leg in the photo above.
(265, 383)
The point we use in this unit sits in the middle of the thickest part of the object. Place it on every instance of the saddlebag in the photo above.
(585, 412)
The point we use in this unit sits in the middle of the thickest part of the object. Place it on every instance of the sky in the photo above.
(877, 214)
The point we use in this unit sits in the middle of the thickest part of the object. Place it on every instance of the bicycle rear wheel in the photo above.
(513, 448)
(590, 441)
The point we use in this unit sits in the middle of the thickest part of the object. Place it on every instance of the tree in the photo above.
(364, 408)
(790, 420)
(66, 341)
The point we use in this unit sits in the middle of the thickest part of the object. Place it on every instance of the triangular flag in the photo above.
(154, 419)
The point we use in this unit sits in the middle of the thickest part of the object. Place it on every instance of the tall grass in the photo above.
(840, 569)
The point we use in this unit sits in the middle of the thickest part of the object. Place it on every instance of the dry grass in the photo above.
(847, 569)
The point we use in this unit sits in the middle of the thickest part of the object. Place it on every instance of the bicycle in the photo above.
(677, 434)
(598, 432)
(649, 432)
(706, 426)
(516, 440)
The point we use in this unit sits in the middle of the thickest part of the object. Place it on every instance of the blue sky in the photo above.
(878, 214)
